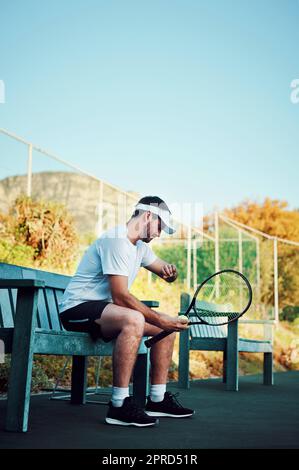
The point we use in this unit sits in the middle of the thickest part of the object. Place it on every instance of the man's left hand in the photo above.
(169, 272)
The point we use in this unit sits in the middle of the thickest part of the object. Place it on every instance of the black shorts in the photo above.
(82, 318)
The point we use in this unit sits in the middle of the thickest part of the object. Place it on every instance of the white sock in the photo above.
(157, 392)
(118, 396)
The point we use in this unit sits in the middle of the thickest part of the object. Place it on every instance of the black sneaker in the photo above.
(169, 406)
(129, 414)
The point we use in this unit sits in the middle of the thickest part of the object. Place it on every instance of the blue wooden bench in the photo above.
(223, 338)
(30, 324)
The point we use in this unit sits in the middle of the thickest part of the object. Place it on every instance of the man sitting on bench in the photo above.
(98, 301)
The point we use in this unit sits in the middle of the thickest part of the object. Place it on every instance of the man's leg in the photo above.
(162, 403)
(127, 326)
(160, 354)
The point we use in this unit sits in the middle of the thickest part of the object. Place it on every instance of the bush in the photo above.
(12, 253)
(289, 313)
(53, 365)
(39, 234)
(39, 381)
(47, 369)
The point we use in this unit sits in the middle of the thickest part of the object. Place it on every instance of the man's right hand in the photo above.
(168, 323)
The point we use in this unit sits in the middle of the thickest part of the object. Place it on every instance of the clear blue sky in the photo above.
(186, 99)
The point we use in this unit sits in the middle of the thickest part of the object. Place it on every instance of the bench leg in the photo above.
(184, 351)
(19, 386)
(79, 380)
(268, 369)
(224, 367)
(141, 379)
(18, 397)
(232, 373)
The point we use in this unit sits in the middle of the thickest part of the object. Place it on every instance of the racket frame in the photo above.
(150, 342)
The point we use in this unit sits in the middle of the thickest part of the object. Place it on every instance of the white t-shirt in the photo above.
(112, 253)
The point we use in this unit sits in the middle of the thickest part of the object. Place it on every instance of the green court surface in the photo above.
(255, 417)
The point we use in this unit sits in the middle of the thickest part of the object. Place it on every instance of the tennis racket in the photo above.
(220, 299)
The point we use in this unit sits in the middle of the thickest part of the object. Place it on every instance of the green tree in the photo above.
(274, 218)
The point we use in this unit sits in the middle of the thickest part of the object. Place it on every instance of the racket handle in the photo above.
(150, 342)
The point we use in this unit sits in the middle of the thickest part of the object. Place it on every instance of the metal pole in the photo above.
(194, 264)
(240, 264)
(276, 300)
(29, 171)
(217, 264)
(99, 229)
(258, 272)
(189, 257)
(240, 251)
(216, 219)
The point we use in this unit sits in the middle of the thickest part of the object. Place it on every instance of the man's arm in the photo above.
(121, 296)
(166, 271)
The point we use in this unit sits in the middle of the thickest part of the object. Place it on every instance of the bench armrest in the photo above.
(19, 283)
(268, 327)
(151, 303)
(262, 322)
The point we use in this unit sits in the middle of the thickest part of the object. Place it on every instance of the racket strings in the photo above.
(212, 313)
(226, 289)
(213, 317)
(222, 299)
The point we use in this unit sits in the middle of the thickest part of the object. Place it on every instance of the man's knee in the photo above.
(134, 321)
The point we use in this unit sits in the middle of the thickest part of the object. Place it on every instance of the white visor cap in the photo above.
(164, 215)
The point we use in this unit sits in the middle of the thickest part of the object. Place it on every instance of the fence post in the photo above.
(189, 257)
(194, 264)
(29, 171)
(217, 264)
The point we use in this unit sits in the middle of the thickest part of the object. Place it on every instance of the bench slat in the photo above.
(58, 297)
(9, 271)
(7, 311)
(13, 293)
(53, 308)
(247, 345)
(208, 344)
(56, 281)
(207, 331)
(42, 311)
(47, 307)
(69, 343)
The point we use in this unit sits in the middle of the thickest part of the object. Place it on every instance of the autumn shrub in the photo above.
(39, 234)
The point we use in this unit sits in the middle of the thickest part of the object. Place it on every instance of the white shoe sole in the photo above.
(123, 423)
(167, 415)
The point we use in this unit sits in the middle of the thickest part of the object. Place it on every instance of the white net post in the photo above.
(189, 249)
(99, 227)
(216, 221)
(29, 171)
(217, 261)
(240, 251)
(258, 274)
(194, 264)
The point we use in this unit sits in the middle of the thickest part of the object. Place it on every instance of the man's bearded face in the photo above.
(152, 230)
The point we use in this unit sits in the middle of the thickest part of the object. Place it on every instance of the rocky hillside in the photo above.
(80, 194)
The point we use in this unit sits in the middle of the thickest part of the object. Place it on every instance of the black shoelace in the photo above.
(135, 409)
(171, 398)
